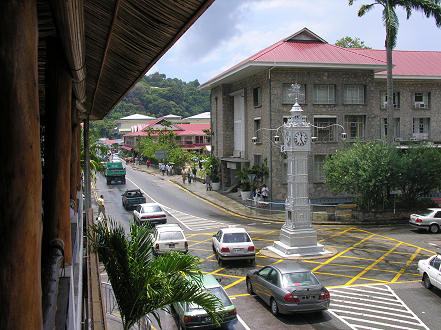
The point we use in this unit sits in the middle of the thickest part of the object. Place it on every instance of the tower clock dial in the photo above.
(300, 138)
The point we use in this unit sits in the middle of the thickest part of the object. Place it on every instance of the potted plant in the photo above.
(245, 186)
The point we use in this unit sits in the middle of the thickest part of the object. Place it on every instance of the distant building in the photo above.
(124, 124)
(188, 136)
(202, 118)
(172, 118)
(340, 87)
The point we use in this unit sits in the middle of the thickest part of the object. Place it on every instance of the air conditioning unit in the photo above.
(420, 105)
(397, 139)
(385, 105)
(413, 138)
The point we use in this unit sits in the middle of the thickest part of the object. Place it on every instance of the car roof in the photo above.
(168, 227)
(209, 281)
(290, 267)
(133, 190)
(434, 208)
(234, 230)
(149, 204)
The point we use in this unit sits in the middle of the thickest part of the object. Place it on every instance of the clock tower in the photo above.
(297, 236)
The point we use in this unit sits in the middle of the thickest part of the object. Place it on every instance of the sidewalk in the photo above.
(230, 202)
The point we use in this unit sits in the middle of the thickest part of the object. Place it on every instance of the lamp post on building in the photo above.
(297, 236)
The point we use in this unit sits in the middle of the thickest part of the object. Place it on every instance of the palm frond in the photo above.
(365, 8)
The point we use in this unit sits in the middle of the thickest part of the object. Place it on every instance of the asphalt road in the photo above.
(372, 274)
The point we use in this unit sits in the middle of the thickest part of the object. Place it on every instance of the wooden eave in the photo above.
(110, 45)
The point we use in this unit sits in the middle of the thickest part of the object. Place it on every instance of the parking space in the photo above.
(361, 258)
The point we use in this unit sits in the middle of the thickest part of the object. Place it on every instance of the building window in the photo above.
(324, 129)
(199, 139)
(257, 97)
(421, 100)
(396, 128)
(355, 127)
(324, 94)
(354, 94)
(396, 100)
(257, 159)
(319, 160)
(288, 96)
(421, 128)
(257, 130)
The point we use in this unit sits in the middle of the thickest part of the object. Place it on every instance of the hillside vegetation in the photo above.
(156, 95)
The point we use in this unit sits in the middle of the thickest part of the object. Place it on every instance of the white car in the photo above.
(429, 220)
(149, 213)
(233, 243)
(169, 237)
(430, 271)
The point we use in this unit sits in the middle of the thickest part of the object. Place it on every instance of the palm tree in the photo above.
(390, 21)
(143, 284)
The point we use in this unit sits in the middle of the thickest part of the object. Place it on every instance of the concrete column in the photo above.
(58, 142)
(20, 175)
(75, 156)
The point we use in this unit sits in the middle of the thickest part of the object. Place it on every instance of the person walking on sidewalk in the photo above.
(264, 192)
(189, 174)
(101, 208)
(208, 182)
(148, 163)
(194, 171)
(184, 176)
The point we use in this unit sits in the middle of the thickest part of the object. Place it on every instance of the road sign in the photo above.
(161, 154)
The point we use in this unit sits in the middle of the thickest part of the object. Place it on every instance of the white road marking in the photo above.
(243, 323)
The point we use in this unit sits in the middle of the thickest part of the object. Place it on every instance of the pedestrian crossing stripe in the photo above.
(192, 222)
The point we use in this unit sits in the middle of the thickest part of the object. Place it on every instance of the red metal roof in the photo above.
(409, 63)
(184, 129)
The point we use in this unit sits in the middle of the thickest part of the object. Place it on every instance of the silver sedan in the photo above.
(429, 220)
(288, 287)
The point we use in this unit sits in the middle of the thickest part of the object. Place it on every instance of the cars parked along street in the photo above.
(151, 213)
(429, 220)
(233, 243)
(192, 316)
(131, 198)
(169, 237)
(430, 271)
(288, 287)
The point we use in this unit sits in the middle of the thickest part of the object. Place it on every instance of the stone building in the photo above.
(342, 90)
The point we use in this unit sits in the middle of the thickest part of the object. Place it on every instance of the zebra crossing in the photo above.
(372, 307)
(192, 222)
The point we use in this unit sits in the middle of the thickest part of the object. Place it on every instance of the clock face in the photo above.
(300, 138)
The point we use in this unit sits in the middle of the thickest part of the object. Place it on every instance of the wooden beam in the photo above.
(20, 175)
(57, 154)
(75, 156)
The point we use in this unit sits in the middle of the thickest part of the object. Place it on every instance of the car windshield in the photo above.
(236, 238)
(151, 209)
(170, 235)
(299, 279)
(219, 293)
(426, 213)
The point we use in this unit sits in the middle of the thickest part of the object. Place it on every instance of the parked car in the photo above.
(151, 213)
(233, 243)
(429, 220)
(430, 271)
(169, 237)
(192, 316)
(288, 287)
(131, 198)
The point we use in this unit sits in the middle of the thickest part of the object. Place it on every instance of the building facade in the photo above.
(342, 90)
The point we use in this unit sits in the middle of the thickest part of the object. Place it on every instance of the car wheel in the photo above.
(434, 228)
(426, 281)
(212, 246)
(249, 287)
(219, 260)
(274, 307)
(253, 261)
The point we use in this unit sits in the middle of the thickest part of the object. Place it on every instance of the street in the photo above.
(372, 275)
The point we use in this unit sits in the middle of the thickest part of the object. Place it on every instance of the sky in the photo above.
(232, 30)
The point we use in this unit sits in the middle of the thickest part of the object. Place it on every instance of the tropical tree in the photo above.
(348, 42)
(96, 153)
(390, 21)
(142, 284)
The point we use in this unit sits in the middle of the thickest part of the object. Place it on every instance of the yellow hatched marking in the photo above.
(206, 258)
(361, 278)
(234, 283)
(373, 264)
(204, 241)
(335, 235)
(239, 295)
(217, 271)
(223, 275)
(407, 264)
(342, 252)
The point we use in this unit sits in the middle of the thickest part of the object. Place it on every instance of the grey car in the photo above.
(288, 287)
(429, 220)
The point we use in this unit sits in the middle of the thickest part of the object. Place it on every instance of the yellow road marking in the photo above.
(234, 283)
(217, 271)
(407, 264)
(342, 252)
(373, 264)
(335, 235)
(239, 295)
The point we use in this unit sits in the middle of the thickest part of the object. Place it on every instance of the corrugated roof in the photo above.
(183, 129)
(137, 116)
(203, 115)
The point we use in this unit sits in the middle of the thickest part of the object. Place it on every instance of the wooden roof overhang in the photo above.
(109, 45)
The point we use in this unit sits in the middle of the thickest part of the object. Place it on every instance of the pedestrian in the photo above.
(200, 164)
(101, 208)
(189, 175)
(194, 171)
(148, 163)
(162, 168)
(264, 192)
(208, 182)
(184, 176)
(256, 195)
